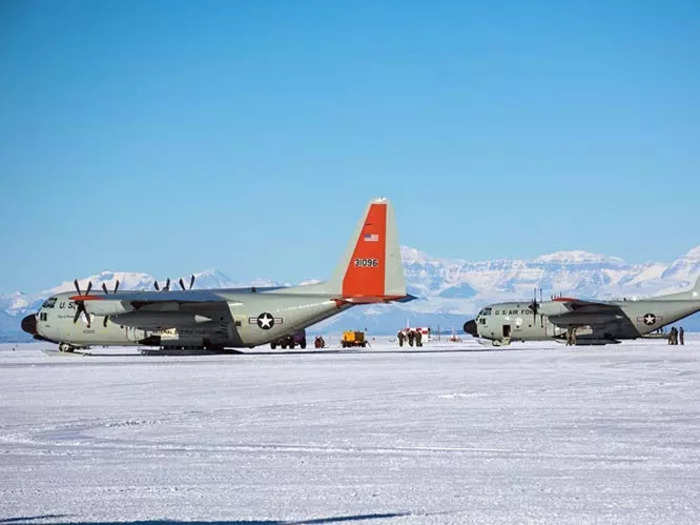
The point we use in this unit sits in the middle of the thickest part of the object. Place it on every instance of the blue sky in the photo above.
(172, 137)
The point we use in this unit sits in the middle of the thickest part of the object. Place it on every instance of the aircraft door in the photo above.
(506, 330)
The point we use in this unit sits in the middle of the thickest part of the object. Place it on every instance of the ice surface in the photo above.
(458, 433)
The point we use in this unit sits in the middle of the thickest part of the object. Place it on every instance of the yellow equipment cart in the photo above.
(351, 338)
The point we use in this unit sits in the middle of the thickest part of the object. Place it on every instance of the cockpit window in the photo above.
(49, 303)
(486, 311)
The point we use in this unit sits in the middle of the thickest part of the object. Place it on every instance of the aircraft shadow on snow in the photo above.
(312, 521)
(236, 353)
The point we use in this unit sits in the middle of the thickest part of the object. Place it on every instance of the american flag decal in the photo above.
(371, 237)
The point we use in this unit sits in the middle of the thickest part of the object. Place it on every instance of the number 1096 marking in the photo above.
(366, 263)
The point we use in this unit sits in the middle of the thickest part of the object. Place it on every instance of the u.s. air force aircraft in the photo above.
(369, 272)
(581, 322)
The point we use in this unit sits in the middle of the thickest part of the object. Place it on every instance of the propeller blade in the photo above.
(75, 282)
(535, 307)
(88, 288)
(104, 287)
(182, 284)
(116, 286)
(81, 310)
(167, 284)
(104, 321)
(191, 281)
(155, 283)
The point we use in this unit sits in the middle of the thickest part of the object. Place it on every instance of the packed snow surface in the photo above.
(454, 433)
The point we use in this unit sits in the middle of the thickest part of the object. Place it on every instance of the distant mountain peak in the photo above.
(693, 254)
(413, 255)
(208, 271)
(577, 257)
(127, 281)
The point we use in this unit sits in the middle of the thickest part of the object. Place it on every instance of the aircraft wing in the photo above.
(579, 306)
(579, 313)
(164, 306)
(140, 298)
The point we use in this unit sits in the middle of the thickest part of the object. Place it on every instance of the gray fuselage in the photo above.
(516, 322)
(231, 322)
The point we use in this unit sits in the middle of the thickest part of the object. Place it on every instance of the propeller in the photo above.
(104, 287)
(116, 287)
(182, 284)
(81, 304)
(165, 288)
(534, 306)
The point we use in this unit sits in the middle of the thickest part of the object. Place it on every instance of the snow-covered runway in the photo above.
(455, 434)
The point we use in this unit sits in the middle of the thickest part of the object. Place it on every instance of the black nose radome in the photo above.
(29, 324)
(470, 328)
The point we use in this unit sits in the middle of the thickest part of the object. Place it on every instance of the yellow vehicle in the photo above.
(351, 338)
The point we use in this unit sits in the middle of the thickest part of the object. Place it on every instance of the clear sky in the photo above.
(177, 136)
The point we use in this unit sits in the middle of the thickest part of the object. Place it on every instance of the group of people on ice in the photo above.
(410, 336)
(676, 336)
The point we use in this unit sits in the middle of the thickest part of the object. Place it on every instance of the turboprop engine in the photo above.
(108, 307)
(550, 308)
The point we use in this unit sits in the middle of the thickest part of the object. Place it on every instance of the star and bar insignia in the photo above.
(265, 320)
(648, 319)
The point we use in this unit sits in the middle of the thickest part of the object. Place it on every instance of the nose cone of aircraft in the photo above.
(29, 324)
(470, 328)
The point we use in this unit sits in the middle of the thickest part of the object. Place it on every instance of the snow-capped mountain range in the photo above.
(449, 290)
